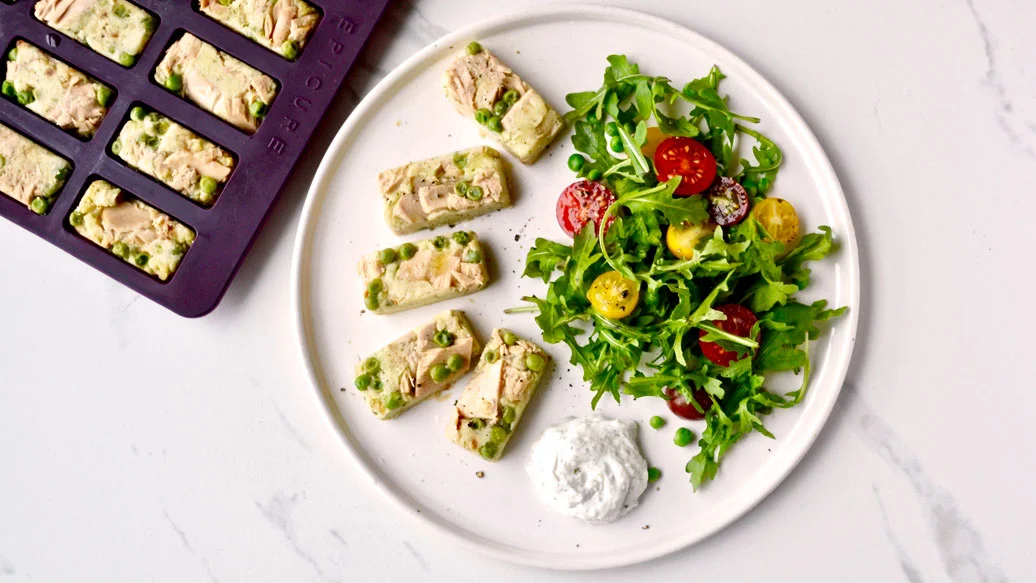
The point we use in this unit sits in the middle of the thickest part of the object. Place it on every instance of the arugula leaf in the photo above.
(544, 258)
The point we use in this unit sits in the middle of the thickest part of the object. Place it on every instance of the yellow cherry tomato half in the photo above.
(778, 218)
(683, 238)
(613, 296)
(654, 138)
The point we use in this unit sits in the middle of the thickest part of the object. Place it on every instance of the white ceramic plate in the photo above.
(406, 117)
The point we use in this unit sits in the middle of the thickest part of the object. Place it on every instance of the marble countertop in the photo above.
(219, 465)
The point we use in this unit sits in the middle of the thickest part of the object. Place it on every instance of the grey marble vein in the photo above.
(6, 568)
(190, 549)
(906, 563)
(284, 418)
(277, 512)
(1005, 108)
(338, 537)
(958, 543)
(417, 556)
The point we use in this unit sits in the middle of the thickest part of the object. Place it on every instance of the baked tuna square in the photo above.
(507, 109)
(488, 411)
(422, 273)
(444, 190)
(419, 364)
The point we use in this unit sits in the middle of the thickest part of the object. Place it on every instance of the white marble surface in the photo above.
(220, 466)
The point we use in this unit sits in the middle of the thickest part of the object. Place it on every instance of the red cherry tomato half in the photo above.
(581, 202)
(739, 322)
(728, 202)
(686, 157)
(681, 407)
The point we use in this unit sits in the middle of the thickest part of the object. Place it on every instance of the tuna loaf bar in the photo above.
(507, 110)
(29, 173)
(444, 190)
(216, 82)
(53, 90)
(283, 26)
(116, 29)
(418, 365)
(131, 229)
(174, 155)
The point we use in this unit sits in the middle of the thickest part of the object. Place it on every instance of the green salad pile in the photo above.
(671, 304)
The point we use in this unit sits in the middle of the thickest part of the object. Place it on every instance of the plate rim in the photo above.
(325, 171)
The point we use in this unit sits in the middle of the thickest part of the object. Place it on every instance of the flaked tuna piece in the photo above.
(421, 363)
(507, 109)
(116, 29)
(421, 273)
(505, 380)
(30, 173)
(216, 82)
(443, 190)
(131, 229)
(283, 26)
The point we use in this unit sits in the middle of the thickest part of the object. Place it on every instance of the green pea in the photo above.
(363, 382)
(497, 434)
(439, 373)
(12, 54)
(141, 259)
(174, 82)
(491, 356)
(138, 113)
(375, 286)
(39, 205)
(121, 249)
(476, 424)
(372, 365)
(509, 338)
(473, 48)
(126, 59)
(683, 437)
(152, 142)
(462, 237)
(534, 362)
(500, 108)
(376, 384)
(179, 249)
(257, 108)
(120, 11)
(576, 162)
(616, 144)
(7, 88)
(394, 400)
(63, 173)
(443, 338)
(488, 450)
(161, 127)
(407, 250)
(460, 160)
(76, 219)
(387, 256)
(472, 255)
(494, 124)
(461, 188)
(26, 97)
(104, 96)
(594, 175)
(474, 193)
(371, 302)
(611, 129)
(290, 50)
(657, 422)
(208, 185)
(148, 23)
(482, 116)
(455, 363)
(116, 148)
(654, 474)
(440, 242)
(510, 96)
(509, 414)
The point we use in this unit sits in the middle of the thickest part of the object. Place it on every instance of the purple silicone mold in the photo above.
(227, 229)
